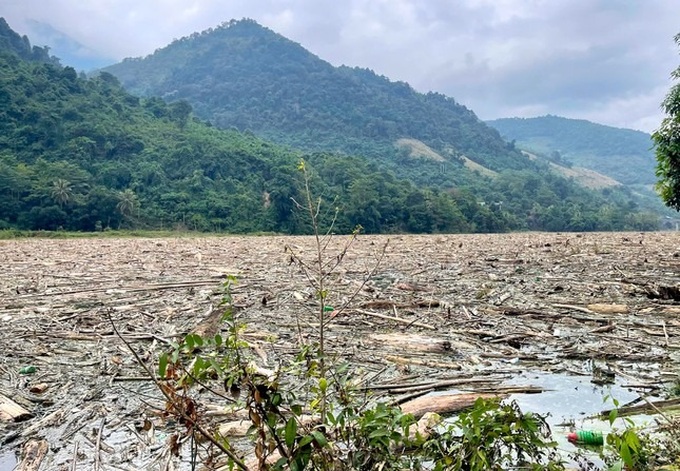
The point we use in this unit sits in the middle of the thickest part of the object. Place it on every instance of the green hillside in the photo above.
(245, 76)
(84, 154)
(622, 154)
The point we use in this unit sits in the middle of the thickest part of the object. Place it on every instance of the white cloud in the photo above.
(606, 60)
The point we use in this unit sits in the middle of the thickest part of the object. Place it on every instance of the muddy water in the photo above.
(569, 403)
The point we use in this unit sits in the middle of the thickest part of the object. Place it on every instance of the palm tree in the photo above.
(62, 192)
(127, 202)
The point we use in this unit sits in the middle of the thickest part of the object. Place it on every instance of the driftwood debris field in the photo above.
(440, 313)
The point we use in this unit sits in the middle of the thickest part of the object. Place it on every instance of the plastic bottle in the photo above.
(27, 370)
(586, 437)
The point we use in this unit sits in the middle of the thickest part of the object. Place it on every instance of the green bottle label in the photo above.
(590, 437)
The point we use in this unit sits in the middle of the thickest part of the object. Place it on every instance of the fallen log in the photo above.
(445, 384)
(32, 455)
(443, 404)
(602, 308)
(420, 343)
(428, 363)
(11, 411)
(395, 319)
(235, 428)
(651, 407)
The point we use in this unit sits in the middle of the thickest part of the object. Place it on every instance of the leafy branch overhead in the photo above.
(667, 140)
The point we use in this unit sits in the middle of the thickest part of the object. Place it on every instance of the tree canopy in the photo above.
(667, 142)
(83, 154)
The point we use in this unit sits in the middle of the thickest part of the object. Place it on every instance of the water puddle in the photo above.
(8, 461)
(570, 402)
(567, 396)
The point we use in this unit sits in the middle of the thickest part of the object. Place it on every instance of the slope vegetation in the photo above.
(622, 154)
(244, 75)
(86, 155)
(585, 177)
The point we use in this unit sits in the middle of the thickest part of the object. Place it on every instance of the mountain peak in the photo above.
(14, 43)
(241, 74)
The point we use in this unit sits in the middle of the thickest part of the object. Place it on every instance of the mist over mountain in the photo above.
(69, 51)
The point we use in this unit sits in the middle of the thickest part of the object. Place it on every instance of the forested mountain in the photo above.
(622, 154)
(84, 154)
(244, 75)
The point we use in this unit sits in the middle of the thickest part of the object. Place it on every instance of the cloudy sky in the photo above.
(608, 61)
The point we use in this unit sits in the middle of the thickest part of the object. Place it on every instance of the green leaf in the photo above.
(381, 432)
(306, 440)
(162, 365)
(276, 399)
(198, 366)
(291, 432)
(618, 466)
(613, 414)
(632, 440)
(626, 456)
(216, 366)
(319, 438)
(331, 418)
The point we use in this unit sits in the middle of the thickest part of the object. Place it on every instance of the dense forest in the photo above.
(245, 76)
(84, 154)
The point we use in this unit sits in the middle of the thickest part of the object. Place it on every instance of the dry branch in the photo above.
(556, 285)
(645, 408)
(414, 342)
(395, 319)
(423, 362)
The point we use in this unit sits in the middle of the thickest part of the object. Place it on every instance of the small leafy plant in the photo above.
(633, 449)
(494, 436)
